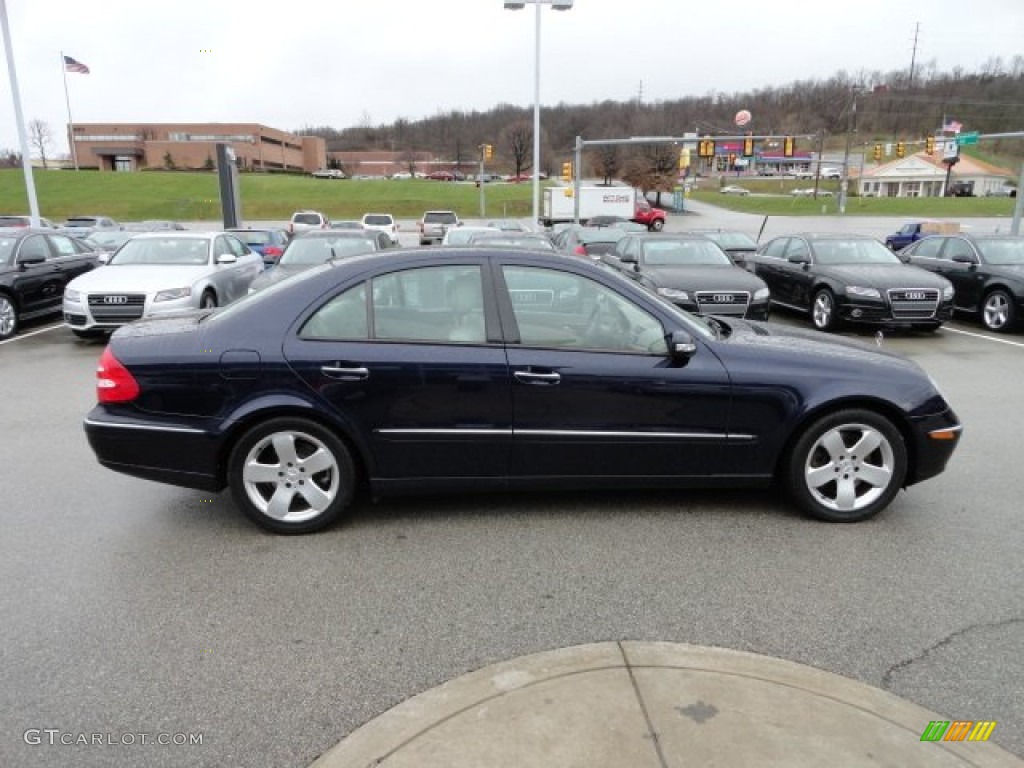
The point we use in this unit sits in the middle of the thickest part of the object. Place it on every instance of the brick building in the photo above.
(131, 146)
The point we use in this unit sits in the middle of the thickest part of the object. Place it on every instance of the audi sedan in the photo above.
(450, 369)
(690, 271)
(987, 273)
(159, 272)
(851, 278)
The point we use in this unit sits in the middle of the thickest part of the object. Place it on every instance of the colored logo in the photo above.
(958, 730)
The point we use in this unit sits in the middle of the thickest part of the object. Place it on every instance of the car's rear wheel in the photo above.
(291, 475)
(8, 317)
(847, 466)
(823, 310)
(657, 225)
(998, 312)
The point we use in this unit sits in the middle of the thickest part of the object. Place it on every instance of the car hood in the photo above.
(277, 274)
(137, 277)
(704, 278)
(885, 276)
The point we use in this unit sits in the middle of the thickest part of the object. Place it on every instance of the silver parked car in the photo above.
(159, 272)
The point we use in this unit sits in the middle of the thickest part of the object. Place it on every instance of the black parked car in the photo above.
(35, 266)
(692, 272)
(575, 240)
(836, 278)
(987, 273)
(443, 369)
(737, 245)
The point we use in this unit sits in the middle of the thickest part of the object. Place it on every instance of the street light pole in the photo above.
(845, 173)
(518, 5)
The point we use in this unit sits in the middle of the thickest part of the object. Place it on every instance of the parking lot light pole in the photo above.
(518, 5)
(26, 160)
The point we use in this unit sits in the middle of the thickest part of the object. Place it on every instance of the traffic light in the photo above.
(788, 145)
(567, 171)
(748, 146)
(901, 149)
(684, 159)
(706, 148)
(878, 152)
(929, 145)
(488, 151)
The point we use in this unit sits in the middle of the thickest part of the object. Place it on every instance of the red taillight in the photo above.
(580, 250)
(114, 382)
(272, 250)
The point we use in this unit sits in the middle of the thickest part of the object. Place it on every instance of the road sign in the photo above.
(950, 151)
(964, 139)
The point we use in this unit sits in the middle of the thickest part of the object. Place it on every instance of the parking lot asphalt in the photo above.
(134, 608)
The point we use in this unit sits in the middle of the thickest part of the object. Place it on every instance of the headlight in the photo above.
(761, 293)
(173, 293)
(672, 293)
(947, 292)
(856, 290)
(70, 295)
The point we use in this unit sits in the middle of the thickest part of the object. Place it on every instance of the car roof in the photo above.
(335, 233)
(176, 233)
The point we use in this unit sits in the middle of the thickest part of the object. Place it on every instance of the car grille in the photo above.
(913, 303)
(722, 302)
(117, 306)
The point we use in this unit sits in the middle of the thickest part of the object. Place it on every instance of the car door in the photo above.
(594, 393)
(420, 351)
(770, 265)
(962, 266)
(798, 273)
(38, 282)
(71, 258)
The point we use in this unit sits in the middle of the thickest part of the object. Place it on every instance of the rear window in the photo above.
(82, 222)
(439, 217)
(306, 218)
(13, 221)
(378, 220)
(253, 238)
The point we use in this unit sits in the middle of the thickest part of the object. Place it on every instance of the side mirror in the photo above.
(29, 259)
(103, 258)
(962, 258)
(799, 259)
(227, 258)
(681, 346)
(626, 258)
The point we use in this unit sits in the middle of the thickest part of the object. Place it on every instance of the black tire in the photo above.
(998, 311)
(8, 317)
(830, 480)
(208, 300)
(272, 459)
(657, 225)
(824, 315)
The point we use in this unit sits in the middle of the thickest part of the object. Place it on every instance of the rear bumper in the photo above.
(163, 452)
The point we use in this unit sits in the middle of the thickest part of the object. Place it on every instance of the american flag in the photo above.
(70, 65)
(952, 126)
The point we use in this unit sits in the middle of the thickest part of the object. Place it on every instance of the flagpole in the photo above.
(26, 161)
(67, 100)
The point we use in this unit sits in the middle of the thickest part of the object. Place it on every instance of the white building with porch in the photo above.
(923, 175)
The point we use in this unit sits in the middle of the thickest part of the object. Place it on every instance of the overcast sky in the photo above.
(341, 62)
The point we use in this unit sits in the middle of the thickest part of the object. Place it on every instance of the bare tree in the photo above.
(409, 159)
(607, 162)
(9, 158)
(518, 137)
(40, 136)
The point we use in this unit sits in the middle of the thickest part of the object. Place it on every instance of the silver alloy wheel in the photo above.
(823, 309)
(996, 310)
(291, 476)
(849, 467)
(8, 319)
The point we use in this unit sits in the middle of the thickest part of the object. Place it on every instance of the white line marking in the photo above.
(33, 333)
(983, 336)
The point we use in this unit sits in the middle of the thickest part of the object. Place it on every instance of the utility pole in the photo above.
(913, 53)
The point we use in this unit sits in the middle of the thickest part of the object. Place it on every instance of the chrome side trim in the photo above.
(144, 427)
(566, 433)
(468, 431)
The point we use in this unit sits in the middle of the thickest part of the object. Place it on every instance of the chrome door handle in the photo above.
(526, 377)
(345, 374)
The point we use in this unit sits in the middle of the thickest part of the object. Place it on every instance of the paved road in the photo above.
(132, 607)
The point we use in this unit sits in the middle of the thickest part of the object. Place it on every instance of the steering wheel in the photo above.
(607, 325)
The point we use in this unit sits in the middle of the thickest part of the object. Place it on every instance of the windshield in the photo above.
(253, 238)
(81, 221)
(6, 249)
(853, 252)
(317, 250)
(440, 217)
(732, 240)
(306, 218)
(663, 253)
(189, 251)
(1004, 251)
(377, 220)
(107, 238)
(604, 235)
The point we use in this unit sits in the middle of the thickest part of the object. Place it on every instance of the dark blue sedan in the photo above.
(418, 371)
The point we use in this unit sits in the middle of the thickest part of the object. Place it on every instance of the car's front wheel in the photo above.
(657, 225)
(8, 317)
(823, 310)
(291, 475)
(847, 466)
(998, 312)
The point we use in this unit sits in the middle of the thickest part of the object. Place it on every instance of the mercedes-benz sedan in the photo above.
(493, 370)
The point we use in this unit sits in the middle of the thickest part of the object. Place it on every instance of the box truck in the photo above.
(625, 202)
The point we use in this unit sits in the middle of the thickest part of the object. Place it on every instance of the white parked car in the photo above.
(159, 272)
(733, 190)
(462, 235)
(382, 222)
(302, 221)
(831, 173)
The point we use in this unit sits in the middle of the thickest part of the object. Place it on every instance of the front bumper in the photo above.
(83, 315)
(878, 312)
(935, 438)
